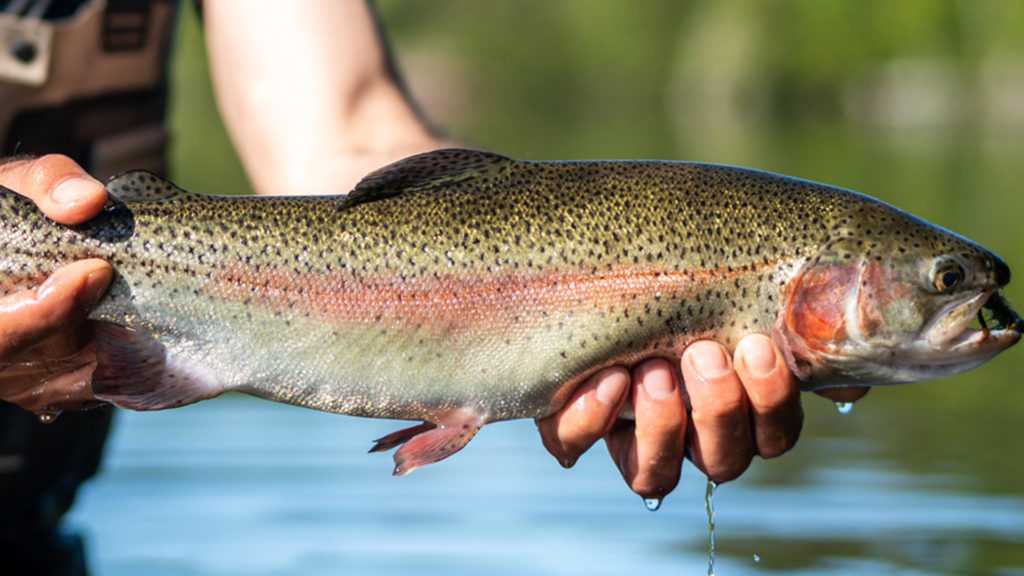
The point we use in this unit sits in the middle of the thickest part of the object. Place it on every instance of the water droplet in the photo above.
(844, 408)
(652, 504)
(47, 417)
(757, 558)
(709, 507)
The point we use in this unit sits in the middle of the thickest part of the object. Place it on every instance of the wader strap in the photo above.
(103, 98)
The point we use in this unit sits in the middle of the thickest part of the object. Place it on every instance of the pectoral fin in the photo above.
(133, 371)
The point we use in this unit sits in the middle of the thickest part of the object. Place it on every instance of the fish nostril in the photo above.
(1002, 272)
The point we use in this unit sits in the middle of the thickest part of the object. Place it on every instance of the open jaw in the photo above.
(969, 332)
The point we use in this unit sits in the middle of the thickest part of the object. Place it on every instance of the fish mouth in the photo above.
(975, 329)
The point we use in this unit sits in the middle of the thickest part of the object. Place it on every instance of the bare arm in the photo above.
(309, 93)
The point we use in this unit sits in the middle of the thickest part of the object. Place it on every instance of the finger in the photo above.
(722, 445)
(844, 394)
(773, 395)
(58, 186)
(44, 392)
(649, 453)
(590, 413)
(30, 316)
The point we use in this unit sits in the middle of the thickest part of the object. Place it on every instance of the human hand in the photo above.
(729, 411)
(45, 322)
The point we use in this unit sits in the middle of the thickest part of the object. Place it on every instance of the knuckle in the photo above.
(11, 162)
(49, 160)
(775, 447)
(548, 437)
(559, 452)
(42, 172)
(582, 422)
(775, 437)
(589, 430)
(653, 484)
(564, 447)
(714, 410)
(772, 397)
(727, 471)
(37, 175)
(664, 431)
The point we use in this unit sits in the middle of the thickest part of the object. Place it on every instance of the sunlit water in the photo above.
(241, 486)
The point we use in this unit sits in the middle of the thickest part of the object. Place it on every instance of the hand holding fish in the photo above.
(737, 409)
(45, 322)
(727, 411)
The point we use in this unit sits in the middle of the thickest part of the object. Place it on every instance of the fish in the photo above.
(461, 287)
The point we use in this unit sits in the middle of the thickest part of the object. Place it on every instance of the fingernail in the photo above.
(96, 284)
(659, 388)
(611, 389)
(708, 360)
(759, 359)
(73, 190)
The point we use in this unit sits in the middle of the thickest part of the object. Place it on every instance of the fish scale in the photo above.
(462, 287)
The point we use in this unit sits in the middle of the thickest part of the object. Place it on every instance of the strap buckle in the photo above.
(25, 48)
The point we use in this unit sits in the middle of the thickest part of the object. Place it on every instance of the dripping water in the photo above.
(709, 507)
(47, 417)
(652, 504)
(844, 408)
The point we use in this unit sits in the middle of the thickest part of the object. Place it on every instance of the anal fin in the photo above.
(430, 442)
(400, 437)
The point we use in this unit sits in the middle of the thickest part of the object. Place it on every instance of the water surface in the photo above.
(242, 486)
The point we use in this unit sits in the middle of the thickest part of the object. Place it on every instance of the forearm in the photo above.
(308, 92)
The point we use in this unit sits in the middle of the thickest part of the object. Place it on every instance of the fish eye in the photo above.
(949, 276)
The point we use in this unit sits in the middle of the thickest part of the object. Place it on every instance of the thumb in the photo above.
(57, 185)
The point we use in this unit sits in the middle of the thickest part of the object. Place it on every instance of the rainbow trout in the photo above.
(462, 287)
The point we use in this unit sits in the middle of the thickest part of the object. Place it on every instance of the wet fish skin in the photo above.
(461, 287)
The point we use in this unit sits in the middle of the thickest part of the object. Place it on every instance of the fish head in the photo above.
(894, 299)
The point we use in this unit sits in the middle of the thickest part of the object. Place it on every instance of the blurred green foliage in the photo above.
(918, 102)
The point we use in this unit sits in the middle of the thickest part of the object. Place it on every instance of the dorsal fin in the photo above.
(143, 186)
(425, 171)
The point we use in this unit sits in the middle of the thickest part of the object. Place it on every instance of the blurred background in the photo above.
(920, 103)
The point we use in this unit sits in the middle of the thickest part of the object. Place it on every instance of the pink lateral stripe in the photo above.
(455, 302)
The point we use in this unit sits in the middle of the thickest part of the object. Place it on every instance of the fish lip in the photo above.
(941, 331)
(960, 343)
